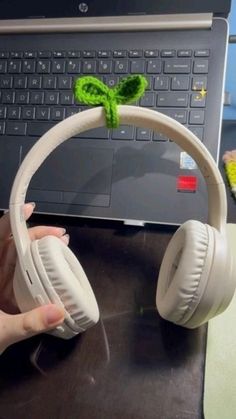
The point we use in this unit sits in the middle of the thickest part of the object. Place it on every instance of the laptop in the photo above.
(127, 174)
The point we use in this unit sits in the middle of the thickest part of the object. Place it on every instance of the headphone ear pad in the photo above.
(184, 272)
(62, 276)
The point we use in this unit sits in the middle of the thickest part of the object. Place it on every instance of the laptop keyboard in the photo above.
(36, 88)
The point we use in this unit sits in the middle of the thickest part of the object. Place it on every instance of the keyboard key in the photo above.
(71, 110)
(49, 82)
(202, 53)
(180, 83)
(38, 128)
(121, 66)
(111, 81)
(73, 67)
(148, 100)
(197, 101)
(161, 83)
(200, 67)
(154, 66)
(199, 82)
(58, 114)
(28, 112)
(66, 98)
(152, 53)
(6, 82)
(3, 112)
(137, 53)
(43, 113)
(73, 54)
(58, 66)
(177, 66)
(2, 127)
(36, 98)
(44, 54)
(104, 66)
(59, 54)
(16, 128)
(172, 99)
(4, 54)
(20, 82)
(8, 96)
(89, 54)
(89, 67)
(14, 112)
(137, 66)
(119, 54)
(64, 82)
(179, 115)
(29, 54)
(104, 54)
(196, 117)
(184, 53)
(198, 131)
(124, 132)
(14, 66)
(51, 98)
(144, 134)
(43, 66)
(29, 66)
(168, 53)
(101, 133)
(34, 82)
(16, 54)
(157, 136)
(22, 97)
(3, 66)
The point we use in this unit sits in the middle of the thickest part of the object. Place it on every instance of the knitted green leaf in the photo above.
(92, 91)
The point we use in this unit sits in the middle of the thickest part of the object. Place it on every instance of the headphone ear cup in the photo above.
(184, 272)
(63, 276)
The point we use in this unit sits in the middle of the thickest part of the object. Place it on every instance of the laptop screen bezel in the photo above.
(28, 9)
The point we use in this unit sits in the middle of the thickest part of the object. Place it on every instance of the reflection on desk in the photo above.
(131, 364)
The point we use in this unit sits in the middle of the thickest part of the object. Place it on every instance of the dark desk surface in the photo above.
(132, 365)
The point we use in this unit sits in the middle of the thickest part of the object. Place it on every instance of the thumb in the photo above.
(14, 328)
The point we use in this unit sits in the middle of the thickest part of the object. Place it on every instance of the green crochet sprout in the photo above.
(92, 91)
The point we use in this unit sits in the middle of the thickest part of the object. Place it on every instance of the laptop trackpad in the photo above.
(74, 175)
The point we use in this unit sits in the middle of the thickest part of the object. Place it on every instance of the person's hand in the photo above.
(15, 327)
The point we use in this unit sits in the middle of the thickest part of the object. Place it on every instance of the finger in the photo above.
(14, 328)
(5, 226)
(38, 232)
(28, 209)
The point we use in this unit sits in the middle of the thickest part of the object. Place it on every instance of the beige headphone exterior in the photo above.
(197, 275)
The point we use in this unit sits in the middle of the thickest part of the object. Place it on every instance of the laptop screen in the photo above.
(22, 9)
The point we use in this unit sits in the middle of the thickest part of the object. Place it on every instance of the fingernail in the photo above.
(62, 230)
(53, 315)
(31, 203)
(65, 238)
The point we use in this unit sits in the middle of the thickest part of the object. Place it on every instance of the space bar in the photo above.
(36, 129)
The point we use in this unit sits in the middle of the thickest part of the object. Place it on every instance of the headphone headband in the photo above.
(129, 115)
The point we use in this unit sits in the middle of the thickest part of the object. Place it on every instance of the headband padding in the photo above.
(60, 271)
(184, 272)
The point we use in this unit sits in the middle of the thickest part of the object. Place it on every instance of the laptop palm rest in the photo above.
(74, 175)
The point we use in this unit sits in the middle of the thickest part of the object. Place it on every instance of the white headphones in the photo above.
(196, 279)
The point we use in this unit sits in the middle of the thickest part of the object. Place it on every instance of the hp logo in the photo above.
(83, 7)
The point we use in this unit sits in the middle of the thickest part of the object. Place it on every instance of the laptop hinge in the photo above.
(103, 24)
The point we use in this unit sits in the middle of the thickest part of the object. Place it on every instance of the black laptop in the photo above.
(127, 174)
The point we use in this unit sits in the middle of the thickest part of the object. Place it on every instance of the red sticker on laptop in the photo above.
(187, 183)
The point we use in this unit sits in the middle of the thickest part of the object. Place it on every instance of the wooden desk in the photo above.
(132, 365)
